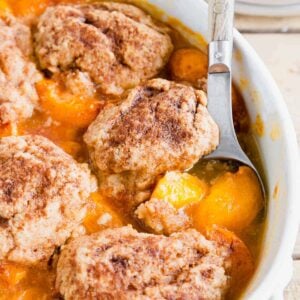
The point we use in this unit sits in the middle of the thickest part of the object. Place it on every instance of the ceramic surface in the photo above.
(278, 148)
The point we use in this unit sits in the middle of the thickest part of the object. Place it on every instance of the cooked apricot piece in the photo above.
(8, 130)
(180, 189)
(100, 216)
(28, 7)
(11, 273)
(241, 260)
(72, 148)
(32, 293)
(233, 201)
(188, 64)
(65, 135)
(4, 7)
(65, 107)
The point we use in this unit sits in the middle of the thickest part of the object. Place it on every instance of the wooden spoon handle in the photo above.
(221, 14)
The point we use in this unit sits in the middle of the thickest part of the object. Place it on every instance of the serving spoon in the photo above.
(221, 15)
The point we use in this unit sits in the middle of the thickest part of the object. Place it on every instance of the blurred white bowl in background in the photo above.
(270, 8)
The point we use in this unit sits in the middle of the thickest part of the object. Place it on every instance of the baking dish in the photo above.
(275, 139)
(277, 145)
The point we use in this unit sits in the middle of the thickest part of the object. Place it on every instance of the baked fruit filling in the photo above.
(103, 190)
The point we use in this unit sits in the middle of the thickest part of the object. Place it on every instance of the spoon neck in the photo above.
(220, 57)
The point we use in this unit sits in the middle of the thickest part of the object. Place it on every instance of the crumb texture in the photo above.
(124, 264)
(159, 126)
(18, 74)
(161, 217)
(43, 194)
(116, 44)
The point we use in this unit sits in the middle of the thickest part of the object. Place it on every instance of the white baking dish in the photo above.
(278, 148)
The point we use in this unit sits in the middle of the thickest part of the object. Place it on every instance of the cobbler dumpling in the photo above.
(161, 217)
(18, 74)
(116, 44)
(43, 194)
(125, 264)
(158, 127)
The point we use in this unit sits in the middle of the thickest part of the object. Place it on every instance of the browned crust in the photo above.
(159, 126)
(118, 45)
(124, 264)
(43, 194)
(18, 74)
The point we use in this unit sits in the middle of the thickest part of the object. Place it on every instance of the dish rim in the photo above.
(289, 140)
(275, 262)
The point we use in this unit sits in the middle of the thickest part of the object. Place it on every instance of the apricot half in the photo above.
(65, 107)
(31, 293)
(8, 130)
(180, 189)
(100, 215)
(233, 202)
(4, 8)
(28, 7)
(188, 64)
(11, 274)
